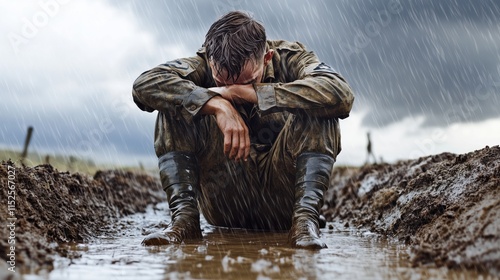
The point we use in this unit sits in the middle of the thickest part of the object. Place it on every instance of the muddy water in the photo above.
(238, 254)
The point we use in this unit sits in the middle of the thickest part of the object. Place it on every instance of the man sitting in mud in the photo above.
(247, 132)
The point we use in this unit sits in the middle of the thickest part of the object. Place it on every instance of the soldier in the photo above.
(369, 150)
(247, 132)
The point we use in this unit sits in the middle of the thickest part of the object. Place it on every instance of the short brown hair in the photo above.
(232, 40)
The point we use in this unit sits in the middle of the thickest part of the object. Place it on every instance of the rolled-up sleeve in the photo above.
(266, 96)
(175, 85)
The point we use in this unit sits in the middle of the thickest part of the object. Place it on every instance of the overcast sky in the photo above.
(426, 74)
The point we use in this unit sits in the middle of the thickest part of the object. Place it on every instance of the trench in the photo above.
(240, 254)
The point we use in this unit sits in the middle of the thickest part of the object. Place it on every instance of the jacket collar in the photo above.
(269, 74)
(269, 70)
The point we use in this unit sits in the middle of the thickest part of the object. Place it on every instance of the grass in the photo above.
(65, 162)
(87, 166)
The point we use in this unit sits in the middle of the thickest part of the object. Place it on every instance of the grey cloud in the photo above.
(95, 127)
(403, 58)
(87, 134)
(436, 59)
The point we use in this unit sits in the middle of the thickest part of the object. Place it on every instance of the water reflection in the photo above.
(240, 254)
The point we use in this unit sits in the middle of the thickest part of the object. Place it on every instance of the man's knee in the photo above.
(174, 133)
(312, 134)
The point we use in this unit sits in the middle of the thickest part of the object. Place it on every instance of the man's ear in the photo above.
(268, 56)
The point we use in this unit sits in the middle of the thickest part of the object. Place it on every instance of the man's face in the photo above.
(251, 73)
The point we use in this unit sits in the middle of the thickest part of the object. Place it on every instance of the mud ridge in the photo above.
(447, 206)
(55, 207)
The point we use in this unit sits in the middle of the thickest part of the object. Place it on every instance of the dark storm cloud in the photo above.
(94, 131)
(439, 59)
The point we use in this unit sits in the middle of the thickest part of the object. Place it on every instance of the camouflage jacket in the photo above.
(295, 82)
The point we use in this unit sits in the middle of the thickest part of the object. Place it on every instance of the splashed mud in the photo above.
(53, 207)
(446, 207)
(435, 217)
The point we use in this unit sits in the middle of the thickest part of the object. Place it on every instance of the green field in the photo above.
(64, 163)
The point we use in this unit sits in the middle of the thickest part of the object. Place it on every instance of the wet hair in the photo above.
(234, 39)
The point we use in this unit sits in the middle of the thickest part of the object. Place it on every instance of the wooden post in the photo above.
(71, 163)
(27, 143)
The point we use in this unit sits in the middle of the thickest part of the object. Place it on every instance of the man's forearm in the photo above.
(214, 105)
(237, 93)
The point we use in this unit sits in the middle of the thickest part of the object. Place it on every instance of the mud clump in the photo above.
(53, 207)
(447, 206)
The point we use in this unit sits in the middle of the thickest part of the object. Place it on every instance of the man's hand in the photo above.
(237, 93)
(236, 135)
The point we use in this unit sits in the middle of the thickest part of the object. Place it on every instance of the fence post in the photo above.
(26, 143)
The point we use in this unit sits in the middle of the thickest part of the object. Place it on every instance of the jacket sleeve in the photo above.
(314, 88)
(175, 85)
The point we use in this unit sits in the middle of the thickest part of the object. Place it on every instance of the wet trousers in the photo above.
(258, 193)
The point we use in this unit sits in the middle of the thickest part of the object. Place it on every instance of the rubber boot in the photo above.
(179, 178)
(313, 176)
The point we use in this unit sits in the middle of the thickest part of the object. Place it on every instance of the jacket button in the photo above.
(192, 107)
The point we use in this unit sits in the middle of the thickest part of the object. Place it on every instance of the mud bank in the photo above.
(53, 207)
(447, 206)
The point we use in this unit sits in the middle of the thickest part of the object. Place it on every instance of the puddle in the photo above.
(240, 254)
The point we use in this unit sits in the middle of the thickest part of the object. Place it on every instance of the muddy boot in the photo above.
(313, 176)
(179, 177)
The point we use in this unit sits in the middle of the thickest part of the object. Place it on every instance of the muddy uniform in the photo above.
(299, 104)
